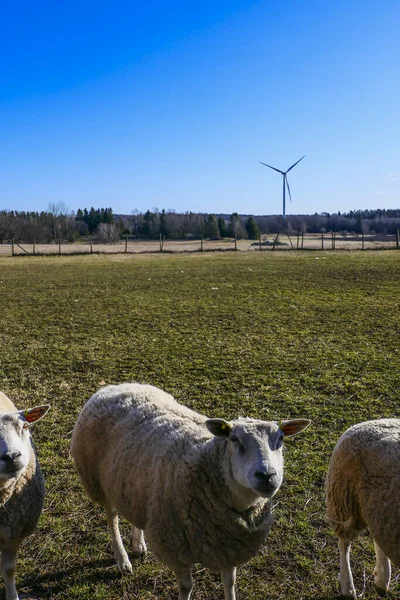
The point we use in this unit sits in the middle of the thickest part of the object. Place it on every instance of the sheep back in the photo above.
(363, 484)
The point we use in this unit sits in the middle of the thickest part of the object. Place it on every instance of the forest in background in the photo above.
(58, 223)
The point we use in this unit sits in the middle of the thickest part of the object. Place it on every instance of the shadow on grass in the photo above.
(48, 584)
(317, 597)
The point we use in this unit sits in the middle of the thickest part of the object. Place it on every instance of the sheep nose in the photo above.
(264, 477)
(266, 483)
(10, 457)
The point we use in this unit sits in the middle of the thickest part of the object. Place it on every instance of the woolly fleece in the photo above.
(363, 484)
(157, 464)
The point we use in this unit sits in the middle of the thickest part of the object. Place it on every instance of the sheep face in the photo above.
(15, 441)
(15, 446)
(255, 451)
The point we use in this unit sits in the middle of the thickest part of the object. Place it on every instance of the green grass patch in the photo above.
(264, 335)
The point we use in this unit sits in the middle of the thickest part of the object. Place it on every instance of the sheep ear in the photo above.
(219, 427)
(294, 426)
(31, 415)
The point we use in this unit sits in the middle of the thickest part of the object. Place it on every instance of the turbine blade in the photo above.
(265, 165)
(296, 163)
(288, 188)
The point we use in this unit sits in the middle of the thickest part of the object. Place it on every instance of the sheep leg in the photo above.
(185, 583)
(120, 554)
(8, 563)
(228, 581)
(346, 578)
(138, 543)
(382, 571)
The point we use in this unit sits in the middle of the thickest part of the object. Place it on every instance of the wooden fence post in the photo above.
(12, 246)
(126, 243)
(298, 239)
(302, 240)
(259, 239)
(362, 240)
(91, 246)
(34, 246)
(275, 241)
(235, 241)
(333, 244)
(201, 243)
(59, 246)
(398, 238)
(322, 240)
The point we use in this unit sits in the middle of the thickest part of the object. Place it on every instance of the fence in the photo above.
(270, 242)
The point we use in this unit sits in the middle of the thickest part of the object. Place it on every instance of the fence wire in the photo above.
(270, 242)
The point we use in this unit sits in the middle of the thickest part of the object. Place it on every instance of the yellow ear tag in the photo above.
(26, 412)
(223, 426)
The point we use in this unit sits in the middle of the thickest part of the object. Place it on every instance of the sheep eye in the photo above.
(235, 440)
(25, 426)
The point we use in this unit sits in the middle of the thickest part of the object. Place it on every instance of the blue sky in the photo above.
(172, 105)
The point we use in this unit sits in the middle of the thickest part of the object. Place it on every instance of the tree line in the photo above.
(58, 223)
(53, 225)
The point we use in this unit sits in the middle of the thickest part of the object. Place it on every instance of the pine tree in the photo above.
(211, 227)
(147, 227)
(252, 228)
(223, 230)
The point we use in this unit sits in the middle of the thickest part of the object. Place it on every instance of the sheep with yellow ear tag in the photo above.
(199, 489)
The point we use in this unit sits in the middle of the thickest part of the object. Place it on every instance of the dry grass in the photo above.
(308, 242)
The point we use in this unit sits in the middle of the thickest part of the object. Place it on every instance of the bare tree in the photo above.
(108, 232)
(59, 212)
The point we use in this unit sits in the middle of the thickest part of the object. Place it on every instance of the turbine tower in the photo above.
(285, 182)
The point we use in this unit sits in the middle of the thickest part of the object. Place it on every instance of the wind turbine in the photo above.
(285, 182)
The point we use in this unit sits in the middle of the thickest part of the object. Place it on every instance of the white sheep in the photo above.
(362, 492)
(21, 485)
(198, 498)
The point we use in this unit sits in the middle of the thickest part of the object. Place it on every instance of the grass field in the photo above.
(265, 335)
